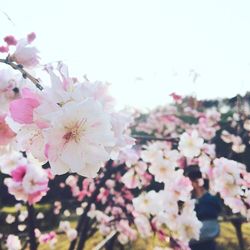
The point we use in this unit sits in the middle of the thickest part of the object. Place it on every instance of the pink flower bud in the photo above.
(10, 40)
(4, 49)
(31, 37)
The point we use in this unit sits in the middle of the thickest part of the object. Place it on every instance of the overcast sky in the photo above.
(146, 49)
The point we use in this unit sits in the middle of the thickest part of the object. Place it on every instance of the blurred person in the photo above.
(207, 208)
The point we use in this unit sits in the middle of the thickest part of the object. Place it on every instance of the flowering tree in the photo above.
(69, 124)
(57, 124)
(225, 134)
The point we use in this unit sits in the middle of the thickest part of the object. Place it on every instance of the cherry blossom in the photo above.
(228, 180)
(13, 242)
(79, 114)
(28, 182)
(190, 144)
(25, 54)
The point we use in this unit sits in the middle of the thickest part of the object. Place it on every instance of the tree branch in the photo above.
(154, 138)
(24, 73)
(83, 223)
(31, 227)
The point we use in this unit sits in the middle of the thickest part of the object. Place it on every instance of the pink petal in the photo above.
(27, 93)
(46, 151)
(6, 134)
(35, 197)
(18, 173)
(22, 110)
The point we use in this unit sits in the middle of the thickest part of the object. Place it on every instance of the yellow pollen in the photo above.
(74, 132)
(163, 170)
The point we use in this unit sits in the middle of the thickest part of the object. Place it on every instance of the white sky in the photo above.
(146, 49)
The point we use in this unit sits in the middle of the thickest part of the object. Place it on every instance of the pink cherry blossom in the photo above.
(25, 54)
(176, 98)
(228, 180)
(28, 183)
(84, 131)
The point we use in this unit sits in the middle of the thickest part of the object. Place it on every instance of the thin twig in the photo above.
(8, 17)
(153, 138)
(24, 73)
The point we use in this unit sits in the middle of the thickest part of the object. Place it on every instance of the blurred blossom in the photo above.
(21, 227)
(10, 219)
(13, 242)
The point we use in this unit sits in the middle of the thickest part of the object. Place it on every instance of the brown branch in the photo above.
(24, 73)
(154, 138)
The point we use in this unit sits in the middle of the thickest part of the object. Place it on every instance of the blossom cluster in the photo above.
(232, 182)
(78, 113)
(47, 238)
(163, 207)
(123, 204)
(66, 228)
(72, 124)
(205, 134)
(28, 181)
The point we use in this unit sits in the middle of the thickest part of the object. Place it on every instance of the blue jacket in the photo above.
(207, 207)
